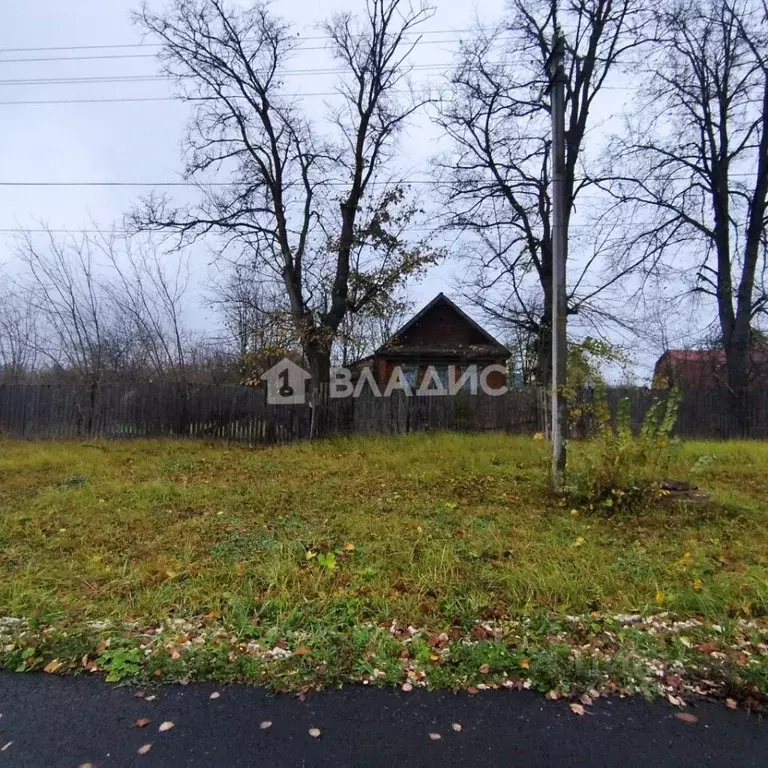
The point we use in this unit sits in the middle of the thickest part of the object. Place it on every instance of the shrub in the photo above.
(618, 469)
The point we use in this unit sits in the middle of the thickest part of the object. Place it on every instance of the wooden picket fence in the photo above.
(241, 414)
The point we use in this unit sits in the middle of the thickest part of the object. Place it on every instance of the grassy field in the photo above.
(299, 548)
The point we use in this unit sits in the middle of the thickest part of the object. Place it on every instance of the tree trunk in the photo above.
(319, 359)
(737, 365)
(318, 355)
(544, 353)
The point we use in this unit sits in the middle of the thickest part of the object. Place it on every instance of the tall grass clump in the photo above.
(617, 469)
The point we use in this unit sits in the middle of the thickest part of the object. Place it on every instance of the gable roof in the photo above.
(492, 345)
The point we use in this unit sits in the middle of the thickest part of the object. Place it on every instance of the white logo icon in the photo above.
(286, 383)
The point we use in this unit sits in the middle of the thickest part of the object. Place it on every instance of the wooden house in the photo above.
(440, 335)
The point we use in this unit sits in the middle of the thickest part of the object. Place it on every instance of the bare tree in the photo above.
(496, 177)
(257, 322)
(361, 333)
(148, 289)
(63, 287)
(692, 169)
(279, 207)
(19, 329)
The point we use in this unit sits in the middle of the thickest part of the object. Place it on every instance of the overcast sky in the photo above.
(139, 141)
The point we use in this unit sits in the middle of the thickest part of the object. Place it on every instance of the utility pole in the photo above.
(559, 245)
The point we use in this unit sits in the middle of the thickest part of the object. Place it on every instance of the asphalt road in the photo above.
(50, 721)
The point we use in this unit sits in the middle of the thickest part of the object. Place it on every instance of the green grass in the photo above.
(434, 531)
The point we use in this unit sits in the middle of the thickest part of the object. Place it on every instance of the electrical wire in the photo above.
(107, 46)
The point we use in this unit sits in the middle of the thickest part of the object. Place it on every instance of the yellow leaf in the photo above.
(52, 666)
(525, 664)
(659, 597)
(349, 547)
(576, 708)
(697, 585)
(538, 436)
(579, 542)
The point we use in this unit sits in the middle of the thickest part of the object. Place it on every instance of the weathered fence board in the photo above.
(242, 414)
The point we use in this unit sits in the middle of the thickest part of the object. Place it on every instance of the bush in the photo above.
(618, 470)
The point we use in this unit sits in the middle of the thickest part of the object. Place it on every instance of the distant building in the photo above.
(704, 369)
(441, 334)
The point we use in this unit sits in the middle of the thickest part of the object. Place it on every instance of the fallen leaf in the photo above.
(731, 704)
(52, 666)
(144, 749)
(554, 695)
(214, 695)
(485, 669)
(349, 547)
(472, 691)
(686, 717)
(139, 694)
(407, 687)
(576, 708)
(265, 724)
(86, 765)
(707, 647)
(525, 664)
(675, 701)
(166, 726)
(175, 655)
(314, 733)
(2, 749)
(456, 726)
(435, 736)
(586, 699)
(303, 651)
(434, 657)
(143, 722)
(150, 698)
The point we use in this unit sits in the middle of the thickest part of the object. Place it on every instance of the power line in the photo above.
(90, 101)
(130, 99)
(328, 183)
(109, 46)
(78, 230)
(133, 99)
(144, 78)
(172, 183)
(82, 58)
(83, 80)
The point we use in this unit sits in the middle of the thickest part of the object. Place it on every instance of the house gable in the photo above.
(442, 329)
